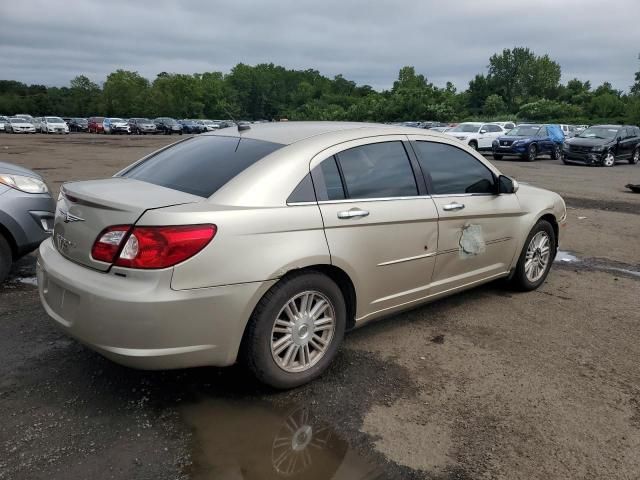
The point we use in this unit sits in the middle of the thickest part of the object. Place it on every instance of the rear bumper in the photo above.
(138, 320)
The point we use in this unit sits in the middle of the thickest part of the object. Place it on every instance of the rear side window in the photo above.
(327, 181)
(452, 170)
(377, 170)
(201, 165)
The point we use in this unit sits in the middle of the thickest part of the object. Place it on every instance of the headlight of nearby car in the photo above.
(599, 148)
(517, 142)
(23, 183)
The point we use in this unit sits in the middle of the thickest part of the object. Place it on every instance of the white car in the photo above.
(24, 116)
(3, 121)
(116, 125)
(53, 125)
(506, 125)
(477, 135)
(569, 130)
(210, 125)
(20, 125)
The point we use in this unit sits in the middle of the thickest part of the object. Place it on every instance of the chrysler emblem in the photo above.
(68, 218)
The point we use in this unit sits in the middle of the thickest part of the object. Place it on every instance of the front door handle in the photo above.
(353, 213)
(452, 207)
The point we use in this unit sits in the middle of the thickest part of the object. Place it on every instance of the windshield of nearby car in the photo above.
(605, 133)
(80, 120)
(206, 122)
(54, 120)
(466, 127)
(524, 131)
(17, 120)
(201, 166)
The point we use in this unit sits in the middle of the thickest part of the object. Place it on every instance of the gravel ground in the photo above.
(486, 384)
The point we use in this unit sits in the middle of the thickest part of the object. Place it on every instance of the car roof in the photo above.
(609, 126)
(287, 133)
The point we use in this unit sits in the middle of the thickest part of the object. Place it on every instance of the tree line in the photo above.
(518, 84)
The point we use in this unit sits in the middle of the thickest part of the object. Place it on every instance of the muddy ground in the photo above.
(486, 384)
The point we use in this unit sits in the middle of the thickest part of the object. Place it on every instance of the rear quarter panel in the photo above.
(252, 244)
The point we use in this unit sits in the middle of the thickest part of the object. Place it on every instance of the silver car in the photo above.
(265, 243)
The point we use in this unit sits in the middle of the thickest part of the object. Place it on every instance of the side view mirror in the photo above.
(507, 184)
(483, 131)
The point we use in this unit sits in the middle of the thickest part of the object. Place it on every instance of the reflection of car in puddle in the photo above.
(236, 439)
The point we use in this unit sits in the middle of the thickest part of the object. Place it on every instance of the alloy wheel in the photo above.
(303, 331)
(537, 257)
(609, 160)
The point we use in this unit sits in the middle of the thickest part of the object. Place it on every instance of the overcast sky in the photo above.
(49, 42)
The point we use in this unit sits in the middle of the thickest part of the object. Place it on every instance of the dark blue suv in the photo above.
(527, 141)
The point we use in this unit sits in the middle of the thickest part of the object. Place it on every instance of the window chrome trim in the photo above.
(358, 200)
(446, 195)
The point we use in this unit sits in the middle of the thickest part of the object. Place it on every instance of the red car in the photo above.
(95, 125)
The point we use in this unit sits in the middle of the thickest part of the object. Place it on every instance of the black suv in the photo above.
(167, 126)
(603, 145)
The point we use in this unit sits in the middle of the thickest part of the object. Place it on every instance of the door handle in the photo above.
(452, 207)
(353, 213)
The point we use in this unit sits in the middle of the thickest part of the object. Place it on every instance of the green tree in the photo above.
(635, 88)
(494, 105)
(520, 76)
(125, 93)
(84, 96)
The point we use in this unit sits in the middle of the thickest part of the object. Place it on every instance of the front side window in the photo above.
(377, 170)
(493, 128)
(452, 170)
(200, 166)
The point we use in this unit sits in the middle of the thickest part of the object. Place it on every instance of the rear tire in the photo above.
(556, 153)
(635, 157)
(534, 262)
(6, 259)
(260, 340)
(532, 153)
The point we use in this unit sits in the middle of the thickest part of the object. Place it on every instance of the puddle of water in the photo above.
(246, 440)
(563, 256)
(568, 257)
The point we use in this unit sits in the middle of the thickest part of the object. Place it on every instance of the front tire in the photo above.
(609, 160)
(473, 144)
(6, 259)
(536, 257)
(295, 330)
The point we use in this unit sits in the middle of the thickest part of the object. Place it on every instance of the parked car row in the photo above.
(23, 123)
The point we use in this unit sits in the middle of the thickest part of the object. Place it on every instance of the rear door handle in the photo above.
(452, 207)
(353, 213)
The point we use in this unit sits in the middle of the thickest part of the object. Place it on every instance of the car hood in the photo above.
(588, 142)
(13, 169)
(50, 124)
(119, 124)
(514, 137)
(23, 125)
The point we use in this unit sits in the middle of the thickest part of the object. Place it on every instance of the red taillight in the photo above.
(107, 245)
(162, 247)
(151, 247)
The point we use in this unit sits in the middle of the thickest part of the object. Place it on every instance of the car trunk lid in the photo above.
(86, 208)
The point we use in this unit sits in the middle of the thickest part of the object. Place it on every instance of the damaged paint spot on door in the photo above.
(471, 241)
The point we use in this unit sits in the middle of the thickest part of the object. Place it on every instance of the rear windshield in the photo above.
(201, 165)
